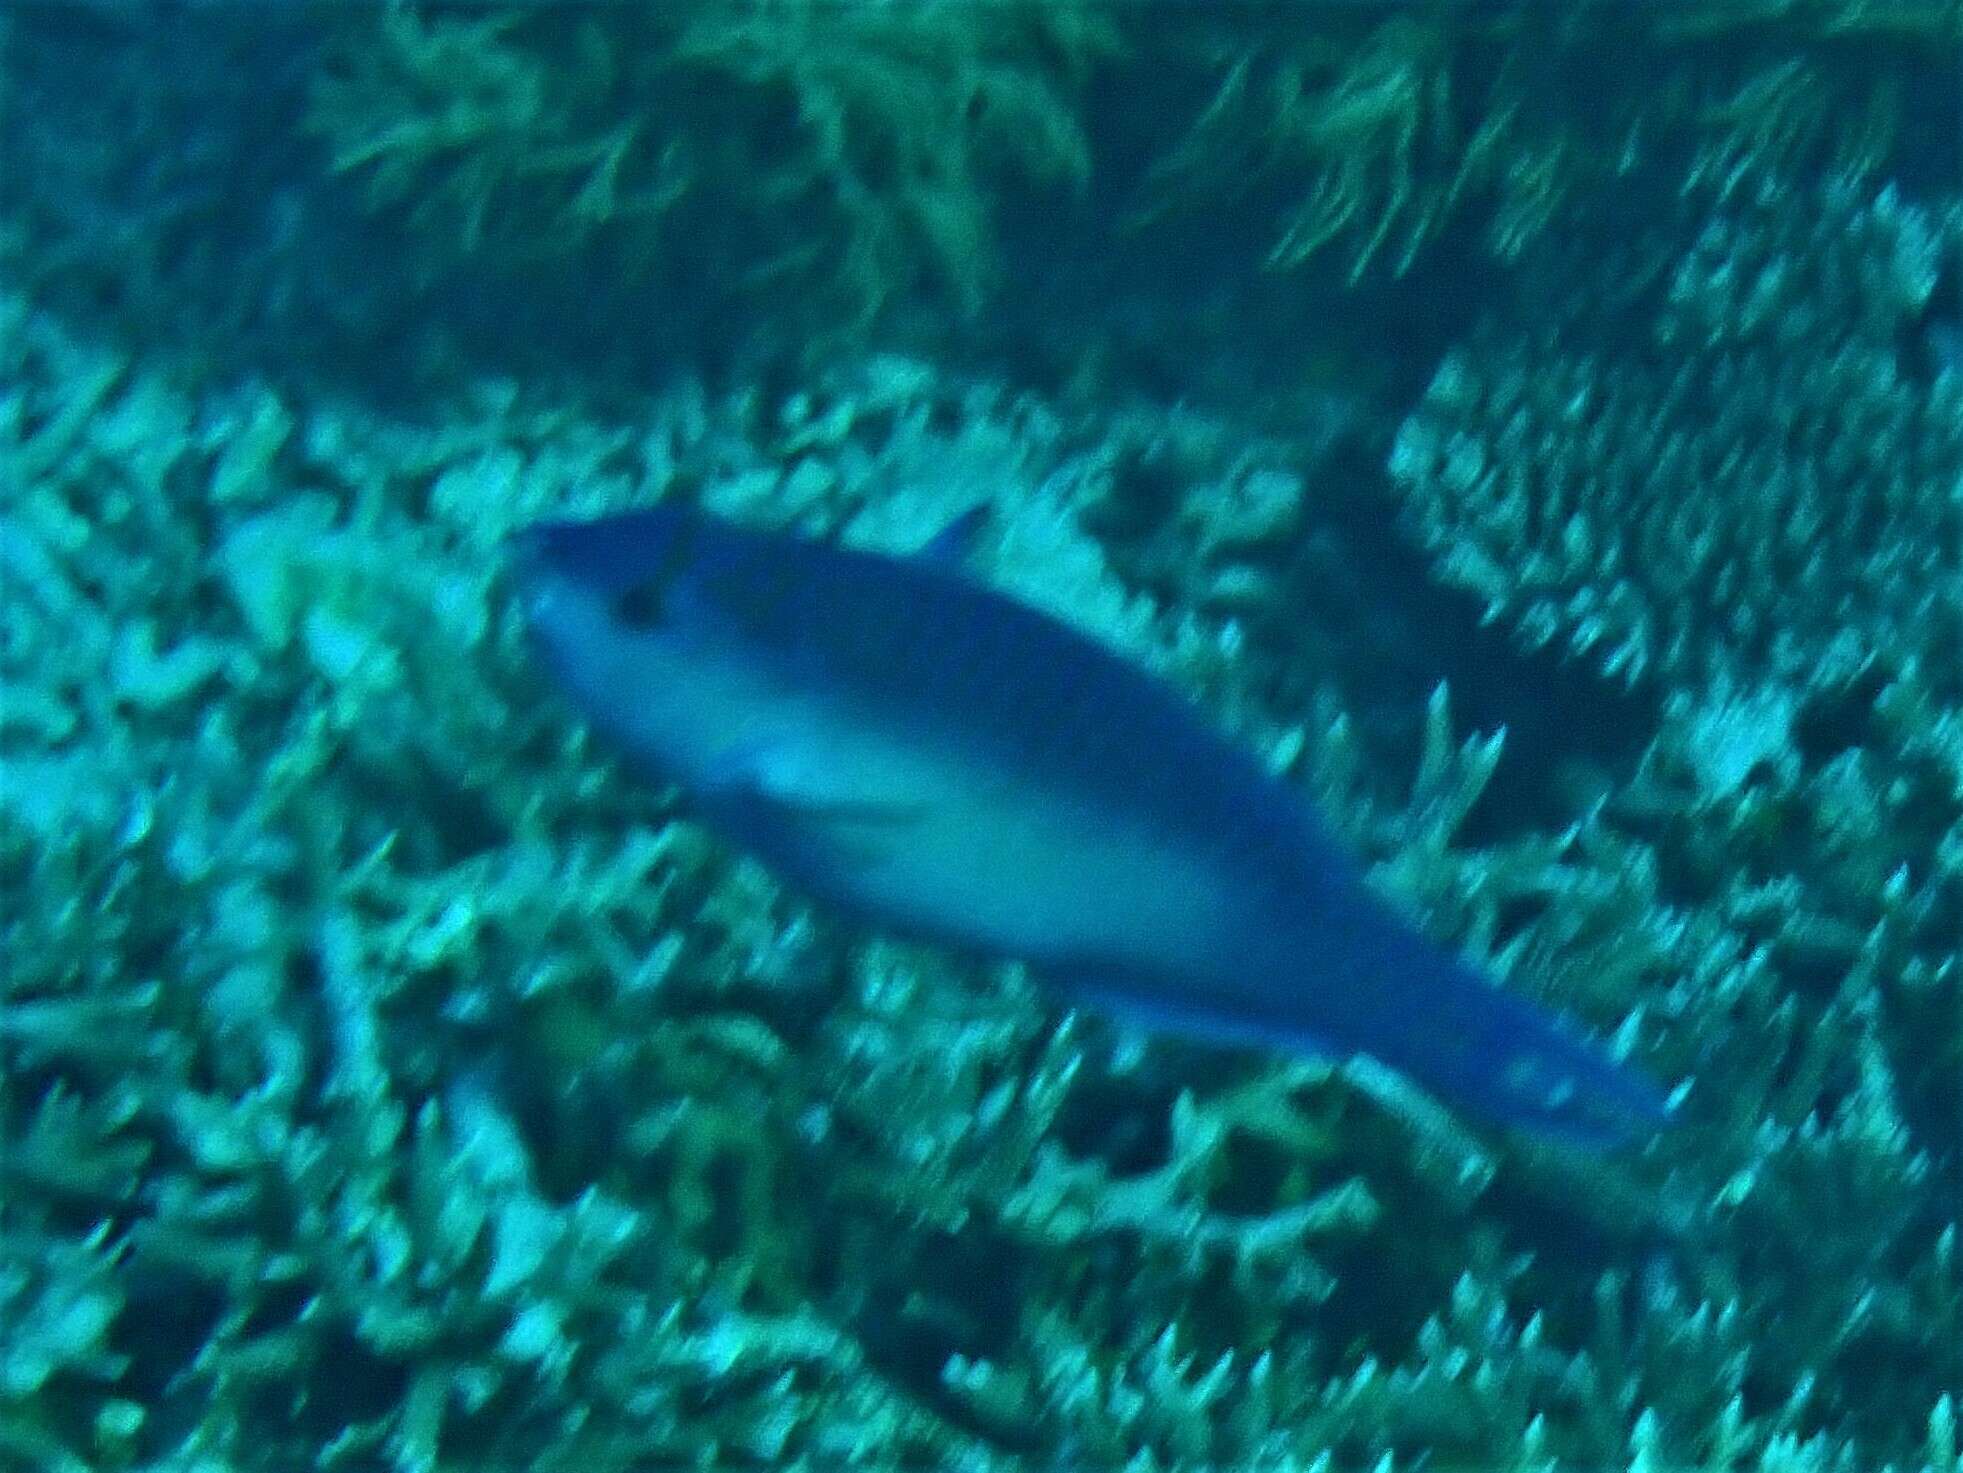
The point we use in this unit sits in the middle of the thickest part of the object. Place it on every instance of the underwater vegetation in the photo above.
(389, 1079)
(1366, 132)
(861, 151)
(858, 151)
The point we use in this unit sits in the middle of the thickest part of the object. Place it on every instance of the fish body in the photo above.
(934, 757)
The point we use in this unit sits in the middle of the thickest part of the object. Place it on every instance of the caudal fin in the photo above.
(1499, 1056)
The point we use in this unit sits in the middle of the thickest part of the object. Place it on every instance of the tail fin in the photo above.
(1499, 1056)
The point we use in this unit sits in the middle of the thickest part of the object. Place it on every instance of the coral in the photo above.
(353, 1013)
(1366, 135)
(852, 152)
(1742, 482)
(1368, 117)
(1722, 464)
(358, 1014)
(503, 146)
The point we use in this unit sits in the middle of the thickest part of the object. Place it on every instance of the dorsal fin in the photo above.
(952, 544)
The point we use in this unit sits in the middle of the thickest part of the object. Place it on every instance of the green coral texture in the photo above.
(389, 1080)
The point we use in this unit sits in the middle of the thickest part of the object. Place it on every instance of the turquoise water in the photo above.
(1535, 434)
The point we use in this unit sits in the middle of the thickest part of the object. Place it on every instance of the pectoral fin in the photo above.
(785, 783)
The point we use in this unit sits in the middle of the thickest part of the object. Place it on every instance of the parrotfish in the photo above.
(941, 761)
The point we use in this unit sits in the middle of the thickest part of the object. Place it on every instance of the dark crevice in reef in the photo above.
(1407, 632)
(933, 1306)
(1931, 342)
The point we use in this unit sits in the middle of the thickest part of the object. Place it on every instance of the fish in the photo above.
(933, 758)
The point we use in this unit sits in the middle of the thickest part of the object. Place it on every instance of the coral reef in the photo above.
(784, 179)
(1736, 476)
(465, 1108)
(1723, 463)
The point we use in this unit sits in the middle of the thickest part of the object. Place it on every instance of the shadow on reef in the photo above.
(1355, 574)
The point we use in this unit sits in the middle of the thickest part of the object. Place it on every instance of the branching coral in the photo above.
(852, 152)
(1374, 122)
(1756, 488)
(352, 1012)
(1373, 132)
(1725, 458)
(504, 145)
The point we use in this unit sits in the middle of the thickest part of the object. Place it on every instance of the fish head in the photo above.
(597, 596)
(624, 613)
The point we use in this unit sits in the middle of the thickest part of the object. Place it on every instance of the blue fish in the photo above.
(941, 761)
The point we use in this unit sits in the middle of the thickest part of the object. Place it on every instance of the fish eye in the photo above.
(640, 607)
